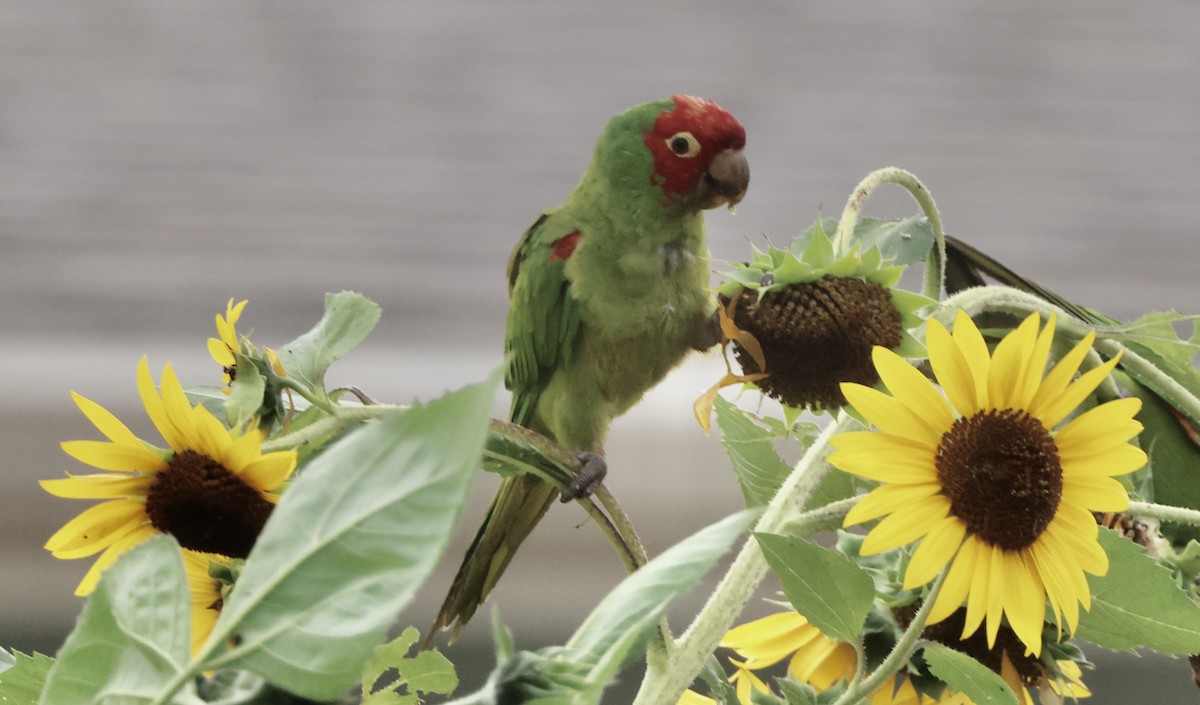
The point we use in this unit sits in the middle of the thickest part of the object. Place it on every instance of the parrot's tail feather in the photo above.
(519, 504)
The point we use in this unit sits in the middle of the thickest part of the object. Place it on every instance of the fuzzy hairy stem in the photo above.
(666, 680)
(1164, 512)
(342, 416)
(905, 646)
(935, 271)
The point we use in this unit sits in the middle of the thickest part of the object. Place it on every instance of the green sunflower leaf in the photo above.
(823, 585)
(132, 638)
(759, 469)
(22, 677)
(1173, 459)
(423, 672)
(622, 622)
(903, 242)
(246, 392)
(349, 544)
(1138, 603)
(349, 318)
(966, 675)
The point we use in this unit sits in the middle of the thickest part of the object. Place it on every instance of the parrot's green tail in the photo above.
(519, 504)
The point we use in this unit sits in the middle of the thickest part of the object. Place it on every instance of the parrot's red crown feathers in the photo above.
(686, 138)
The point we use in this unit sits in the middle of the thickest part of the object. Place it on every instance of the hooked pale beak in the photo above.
(726, 180)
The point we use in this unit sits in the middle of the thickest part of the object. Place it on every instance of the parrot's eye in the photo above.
(684, 144)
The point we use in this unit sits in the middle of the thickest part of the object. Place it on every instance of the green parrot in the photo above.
(607, 292)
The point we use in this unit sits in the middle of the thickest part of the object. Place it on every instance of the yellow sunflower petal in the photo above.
(210, 437)
(1035, 368)
(975, 351)
(1009, 361)
(99, 541)
(836, 665)
(905, 527)
(896, 464)
(244, 449)
(1079, 542)
(995, 593)
(889, 415)
(952, 370)
(886, 499)
(958, 582)
(691, 697)
(106, 422)
(1061, 374)
(98, 486)
(94, 523)
(270, 470)
(1024, 600)
(1072, 686)
(155, 409)
(913, 389)
(1121, 460)
(220, 353)
(1058, 584)
(179, 410)
(113, 457)
(979, 592)
(934, 552)
(110, 555)
(1104, 426)
(767, 641)
(1099, 494)
(1078, 390)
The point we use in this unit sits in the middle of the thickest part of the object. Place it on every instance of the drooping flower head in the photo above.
(816, 313)
(988, 476)
(212, 488)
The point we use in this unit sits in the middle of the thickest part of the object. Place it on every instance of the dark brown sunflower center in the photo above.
(817, 335)
(206, 507)
(1001, 471)
(949, 632)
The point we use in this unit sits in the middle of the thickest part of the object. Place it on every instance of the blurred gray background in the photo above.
(158, 157)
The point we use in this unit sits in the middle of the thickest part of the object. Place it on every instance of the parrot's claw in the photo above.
(590, 474)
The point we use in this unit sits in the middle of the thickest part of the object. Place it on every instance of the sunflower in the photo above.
(225, 347)
(746, 682)
(213, 489)
(988, 477)
(206, 591)
(815, 658)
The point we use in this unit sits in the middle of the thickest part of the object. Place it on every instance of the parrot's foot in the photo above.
(590, 474)
(709, 333)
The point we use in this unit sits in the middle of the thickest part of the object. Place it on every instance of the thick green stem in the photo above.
(1163, 512)
(861, 689)
(665, 682)
(342, 416)
(935, 271)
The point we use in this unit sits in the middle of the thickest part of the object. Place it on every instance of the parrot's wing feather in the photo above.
(543, 317)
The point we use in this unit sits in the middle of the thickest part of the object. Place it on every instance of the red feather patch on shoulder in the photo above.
(564, 247)
(702, 129)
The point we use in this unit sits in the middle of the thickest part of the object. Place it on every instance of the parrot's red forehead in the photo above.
(713, 129)
(709, 122)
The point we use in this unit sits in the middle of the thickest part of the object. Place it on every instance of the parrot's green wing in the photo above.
(543, 318)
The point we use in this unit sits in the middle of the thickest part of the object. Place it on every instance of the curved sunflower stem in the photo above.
(666, 679)
(342, 416)
(935, 271)
(321, 401)
(1163, 512)
(861, 688)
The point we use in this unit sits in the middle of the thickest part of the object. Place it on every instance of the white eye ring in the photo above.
(684, 144)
